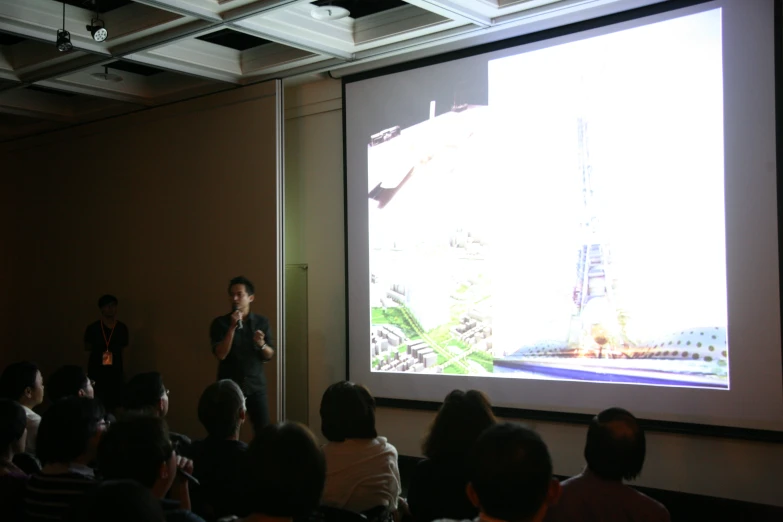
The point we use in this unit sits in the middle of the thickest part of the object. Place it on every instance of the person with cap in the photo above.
(105, 340)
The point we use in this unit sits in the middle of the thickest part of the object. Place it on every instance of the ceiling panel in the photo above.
(135, 68)
(162, 51)
(362, 8)
(102, 6)
(233, 40)
(10, 39)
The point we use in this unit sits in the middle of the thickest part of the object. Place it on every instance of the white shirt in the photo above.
(361, 474)
(33, 420)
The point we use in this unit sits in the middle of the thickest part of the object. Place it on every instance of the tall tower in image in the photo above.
(598, 324)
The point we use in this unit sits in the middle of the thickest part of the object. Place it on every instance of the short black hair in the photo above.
(616, 447)
(459, 422)
(347, 412)
(510, 470)
(287, 471)
(144, 391)
(13, 422)
(134, 448)
(66, 382)
(219, 408)
(242, 280)
(66, 429)
(118, 501)
(16, 378)
(107, 300)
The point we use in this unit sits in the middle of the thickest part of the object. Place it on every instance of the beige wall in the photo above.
(160, 208)
(314, 225)
(314, 235)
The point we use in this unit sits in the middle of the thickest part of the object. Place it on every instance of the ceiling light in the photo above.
(329, 12)
(106, 76)
(97, 28)
(63, 41)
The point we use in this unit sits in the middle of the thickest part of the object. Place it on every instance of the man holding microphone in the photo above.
(240, 341)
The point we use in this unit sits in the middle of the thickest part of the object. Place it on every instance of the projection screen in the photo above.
(578, 222)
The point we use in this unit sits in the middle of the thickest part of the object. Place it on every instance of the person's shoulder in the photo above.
(93, 325)
(385, 446)
(259, 319)
(221, 321)
(655, 509)
(573, 482)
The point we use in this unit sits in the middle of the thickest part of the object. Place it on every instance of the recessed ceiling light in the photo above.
(106, 76)
(329, 12)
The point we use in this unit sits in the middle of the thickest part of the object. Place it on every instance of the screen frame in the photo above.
(608, 20)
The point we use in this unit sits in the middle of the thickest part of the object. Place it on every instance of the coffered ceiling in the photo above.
(161, 51)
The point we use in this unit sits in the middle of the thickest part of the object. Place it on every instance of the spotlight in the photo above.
(64, 40)
(98, 30)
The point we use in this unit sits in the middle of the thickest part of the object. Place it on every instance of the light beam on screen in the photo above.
(573, 229)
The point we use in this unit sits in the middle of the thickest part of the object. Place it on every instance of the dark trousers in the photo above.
(257, 409)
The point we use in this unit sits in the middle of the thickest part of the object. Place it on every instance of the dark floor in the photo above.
(683, 507)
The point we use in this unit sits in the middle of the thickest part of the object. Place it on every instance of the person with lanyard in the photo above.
(241, 342)
(105, 339)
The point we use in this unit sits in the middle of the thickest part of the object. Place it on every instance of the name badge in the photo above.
(108, 358)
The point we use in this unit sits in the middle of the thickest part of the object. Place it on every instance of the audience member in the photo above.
(286, 474)
(146, 393)
(105, 340)
(361, 467)
(118, 501)
(437, 488)
(614, 451)
(69, 380)
(22, 382)
(67, 441)
(138, 447)
(510, 477)
(218, 460)
(13, 481)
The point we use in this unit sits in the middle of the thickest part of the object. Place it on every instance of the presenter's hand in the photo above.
(235, 318)
(259, 337)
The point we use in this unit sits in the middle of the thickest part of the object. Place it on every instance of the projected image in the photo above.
(572, 228)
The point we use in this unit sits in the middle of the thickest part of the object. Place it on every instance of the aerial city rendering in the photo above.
(462, 282)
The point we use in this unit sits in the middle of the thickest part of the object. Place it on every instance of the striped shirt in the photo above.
(51, 493)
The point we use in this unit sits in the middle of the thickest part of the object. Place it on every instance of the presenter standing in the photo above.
(106, 339)
(241, 342)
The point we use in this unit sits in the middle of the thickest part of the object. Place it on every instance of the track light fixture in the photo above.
(97, 27)
(63, 41)
(98, 30)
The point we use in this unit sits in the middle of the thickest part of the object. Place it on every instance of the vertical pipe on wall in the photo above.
(280, 245)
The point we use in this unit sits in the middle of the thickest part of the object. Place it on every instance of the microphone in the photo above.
(239, 323)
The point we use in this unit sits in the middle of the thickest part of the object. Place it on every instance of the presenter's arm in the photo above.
(221, 343)
(263, 338)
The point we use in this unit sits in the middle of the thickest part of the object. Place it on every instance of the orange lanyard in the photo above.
(108, 341)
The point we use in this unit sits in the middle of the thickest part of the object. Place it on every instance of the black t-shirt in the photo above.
(94, 338)
(244, 363)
